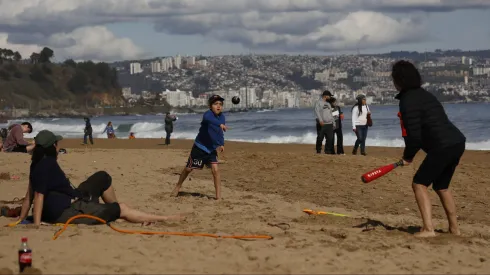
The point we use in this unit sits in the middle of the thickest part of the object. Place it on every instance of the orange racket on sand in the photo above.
(313, 212)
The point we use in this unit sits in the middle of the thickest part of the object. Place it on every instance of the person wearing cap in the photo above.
(15, 141)
(360, 112)
(169, 126)
(209, 140)
(325, 124)
(56, 200)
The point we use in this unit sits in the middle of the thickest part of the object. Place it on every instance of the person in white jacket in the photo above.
(360, 112)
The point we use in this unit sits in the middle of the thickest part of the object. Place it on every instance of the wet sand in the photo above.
(263, 185)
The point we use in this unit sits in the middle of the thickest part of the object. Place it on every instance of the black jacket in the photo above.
(425, 124)
(88, 127)
(169, 124)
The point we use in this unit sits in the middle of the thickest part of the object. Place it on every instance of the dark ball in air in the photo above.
(235, 100)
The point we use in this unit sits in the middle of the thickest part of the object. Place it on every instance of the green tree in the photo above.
(17, 56)
(79, 83)
(70, 63)
(45, 55)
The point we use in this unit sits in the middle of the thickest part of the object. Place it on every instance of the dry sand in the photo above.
(262, 184)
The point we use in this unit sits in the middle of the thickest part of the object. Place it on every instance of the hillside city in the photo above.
(285, 81)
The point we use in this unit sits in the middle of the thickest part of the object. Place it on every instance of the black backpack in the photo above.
(4, 133)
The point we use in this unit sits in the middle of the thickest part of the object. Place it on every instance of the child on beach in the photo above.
(209, 139)
(110, 130)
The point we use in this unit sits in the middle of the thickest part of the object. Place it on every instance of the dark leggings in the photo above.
(361, 134)
(167, 138)
(340, 141)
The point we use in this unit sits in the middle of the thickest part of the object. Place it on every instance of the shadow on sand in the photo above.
(194, 194)
(372, 224)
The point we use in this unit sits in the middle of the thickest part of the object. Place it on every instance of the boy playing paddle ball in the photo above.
(209, 139)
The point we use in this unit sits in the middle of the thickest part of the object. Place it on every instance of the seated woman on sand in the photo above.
(56, 200)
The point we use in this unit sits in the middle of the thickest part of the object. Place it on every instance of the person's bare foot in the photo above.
(455, 232)
(175, 193)
(425, 233)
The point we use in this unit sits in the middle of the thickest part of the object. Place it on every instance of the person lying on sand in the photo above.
(209, 139)
(56, 200)
(426, 126)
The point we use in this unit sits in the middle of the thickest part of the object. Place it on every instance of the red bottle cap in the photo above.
(24, 239)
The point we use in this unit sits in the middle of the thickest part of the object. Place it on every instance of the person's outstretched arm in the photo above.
(209, 117)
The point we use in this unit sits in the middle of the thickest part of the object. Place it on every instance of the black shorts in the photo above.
(198, 158)
(438, 167)
(19, 149)
(92, 189)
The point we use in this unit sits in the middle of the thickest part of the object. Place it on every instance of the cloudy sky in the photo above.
(110, 30)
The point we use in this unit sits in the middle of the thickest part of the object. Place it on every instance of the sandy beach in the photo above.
(263, 185)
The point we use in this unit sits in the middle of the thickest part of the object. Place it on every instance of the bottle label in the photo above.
(25, 258)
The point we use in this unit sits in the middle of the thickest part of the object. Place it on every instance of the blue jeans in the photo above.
(361, 133)
(89, 135)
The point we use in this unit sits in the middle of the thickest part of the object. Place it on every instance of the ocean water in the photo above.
(276, 126)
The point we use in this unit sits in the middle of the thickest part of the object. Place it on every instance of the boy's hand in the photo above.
(221, 149)
(406, 163)
(223, 127)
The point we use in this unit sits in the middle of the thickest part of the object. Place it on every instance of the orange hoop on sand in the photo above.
(59, 232)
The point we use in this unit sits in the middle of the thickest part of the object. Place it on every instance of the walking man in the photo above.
(87, 132)
(325, 123)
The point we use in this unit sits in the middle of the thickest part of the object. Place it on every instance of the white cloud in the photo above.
(96, 43)
(74, 27)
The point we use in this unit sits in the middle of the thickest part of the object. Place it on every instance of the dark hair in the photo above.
(28, 126)
(39, 152)
(110, 122)
(405, 75)
(359, 105)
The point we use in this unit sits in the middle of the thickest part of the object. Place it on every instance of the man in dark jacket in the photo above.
(325, 123)
(87, 132)
(426, 126)
(169, 127)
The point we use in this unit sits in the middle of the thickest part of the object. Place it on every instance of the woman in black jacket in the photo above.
(426, 126)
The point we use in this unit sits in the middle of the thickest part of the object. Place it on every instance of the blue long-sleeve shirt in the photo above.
(109, 130)
(210, 134)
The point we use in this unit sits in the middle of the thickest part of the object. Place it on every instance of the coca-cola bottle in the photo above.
(25, 255)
